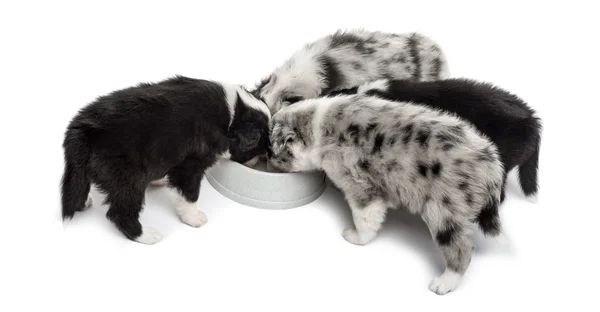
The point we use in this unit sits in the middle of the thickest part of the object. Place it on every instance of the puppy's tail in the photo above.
(528, 170)
(488, 217)
(75, 181)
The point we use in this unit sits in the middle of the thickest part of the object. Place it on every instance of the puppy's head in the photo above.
(292, 139)
(299, 78)
(249, 129)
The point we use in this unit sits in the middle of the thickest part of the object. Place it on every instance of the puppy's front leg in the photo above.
(367, 221)
(184, 181)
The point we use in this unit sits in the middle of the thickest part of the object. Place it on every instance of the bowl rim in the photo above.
(260, 172)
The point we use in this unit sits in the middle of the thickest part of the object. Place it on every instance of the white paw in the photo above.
(445, 283)
(351, 236)
(193, 217)
(149, 236)
(88, 203)
(162, 182)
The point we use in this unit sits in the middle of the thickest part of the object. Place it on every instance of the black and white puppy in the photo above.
(347, 59)
(166, 132)
(502, 116)
(383, 154)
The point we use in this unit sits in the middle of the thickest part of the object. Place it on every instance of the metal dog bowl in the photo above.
(261, 189)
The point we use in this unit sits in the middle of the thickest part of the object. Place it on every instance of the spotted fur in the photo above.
(502, 116)
(383, 154)
(347, 59)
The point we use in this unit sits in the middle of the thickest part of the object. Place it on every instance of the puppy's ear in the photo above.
(281, 136)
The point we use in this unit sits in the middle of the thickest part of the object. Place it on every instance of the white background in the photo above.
(55, 57)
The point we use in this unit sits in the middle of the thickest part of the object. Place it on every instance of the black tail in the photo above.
(528, 171)
(75, 180)
(488, 218)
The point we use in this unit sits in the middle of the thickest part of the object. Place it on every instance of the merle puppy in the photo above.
(501, 116)
(382, 154)
(347, 59)
(166, 132)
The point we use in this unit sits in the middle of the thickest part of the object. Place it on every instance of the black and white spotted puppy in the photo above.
(347, 59)
(382, 154)
(168, 132)
(502, 116)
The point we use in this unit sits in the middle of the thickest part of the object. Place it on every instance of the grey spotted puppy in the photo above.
(383, 154)
(350, 58)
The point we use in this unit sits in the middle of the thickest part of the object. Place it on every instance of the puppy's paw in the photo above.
(351, 236)
(193, 217)
(149, 236)
(445, 283)
(162, 182)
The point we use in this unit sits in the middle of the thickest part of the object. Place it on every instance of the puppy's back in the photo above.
(412, 151)
(154, 122)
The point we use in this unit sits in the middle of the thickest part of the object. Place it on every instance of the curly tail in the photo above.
(75, 181)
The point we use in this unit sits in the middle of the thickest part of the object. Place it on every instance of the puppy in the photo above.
(382, 154)
(347, 59)
(168, 132)
(503, 117)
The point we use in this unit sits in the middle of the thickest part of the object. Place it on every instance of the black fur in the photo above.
(488, 218)
(413, 43)
(378, 142)
(444, 237)
(177, 127)
(332, 75)
(436, 168)
(503, 117)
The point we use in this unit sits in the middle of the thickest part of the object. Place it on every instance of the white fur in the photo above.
(191, 215)
(368, 221)
(445, 283)
(232, 92)
(381, 85)
(88, 203)
(149, 236)
(301, 72)
(253, 102)
(187, 211)
(161, 182)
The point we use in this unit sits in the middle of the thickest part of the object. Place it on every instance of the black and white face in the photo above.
(293, 82)
(249, 130)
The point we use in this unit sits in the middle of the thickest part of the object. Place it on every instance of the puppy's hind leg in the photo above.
(367, 221)
(126, 202)
(451, 237)
(184, 181)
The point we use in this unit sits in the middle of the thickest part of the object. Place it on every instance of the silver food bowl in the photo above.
(257, 187)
